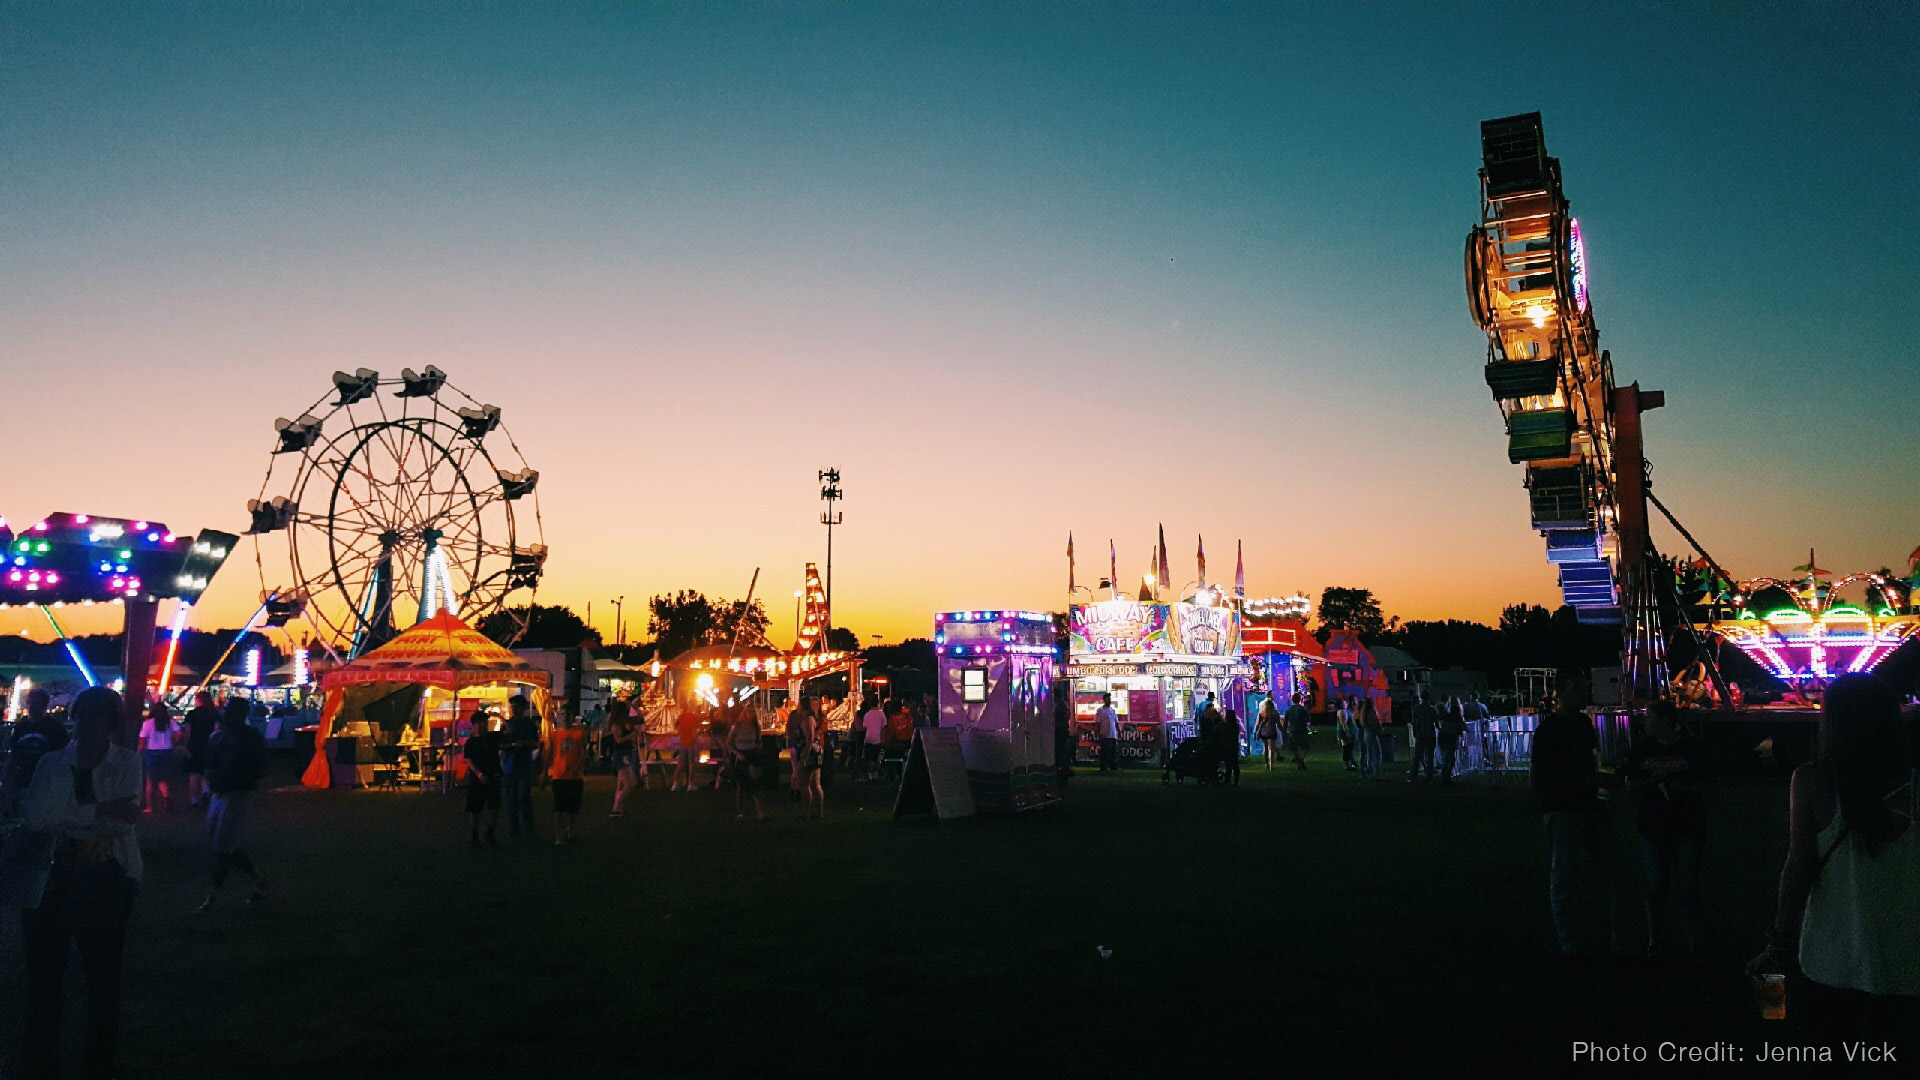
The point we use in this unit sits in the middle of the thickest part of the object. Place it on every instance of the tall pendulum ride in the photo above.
(1578, 436)
(376, 510)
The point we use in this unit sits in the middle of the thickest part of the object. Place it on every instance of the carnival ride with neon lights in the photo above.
(87, 559)
(1578, 435)
(1800, 630)
(370, 512)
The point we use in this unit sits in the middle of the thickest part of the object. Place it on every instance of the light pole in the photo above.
(619, 621)
(830, 494)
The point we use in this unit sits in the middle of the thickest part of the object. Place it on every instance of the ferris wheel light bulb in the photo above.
(1537, 315)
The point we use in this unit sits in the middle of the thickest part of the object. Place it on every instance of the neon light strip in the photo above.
(235, 643)
(17, 701)
(173, 645)
(73, 650)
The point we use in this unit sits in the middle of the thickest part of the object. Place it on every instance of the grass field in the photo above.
(1300, 920)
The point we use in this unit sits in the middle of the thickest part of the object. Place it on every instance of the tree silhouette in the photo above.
(1354, 610)
(549, 626)
(688, 618)
(679, 621)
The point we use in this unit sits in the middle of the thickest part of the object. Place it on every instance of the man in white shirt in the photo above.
(874, 727)
(1106, 728)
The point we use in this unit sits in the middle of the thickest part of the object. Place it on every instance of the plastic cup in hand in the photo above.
(1770, 994)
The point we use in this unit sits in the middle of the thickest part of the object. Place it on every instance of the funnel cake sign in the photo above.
(1205, 631)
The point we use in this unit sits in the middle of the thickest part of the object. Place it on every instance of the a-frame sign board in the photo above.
(936, 778)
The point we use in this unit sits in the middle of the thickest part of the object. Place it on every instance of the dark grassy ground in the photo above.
(1297, 921)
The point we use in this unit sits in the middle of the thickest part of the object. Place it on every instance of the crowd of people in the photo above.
(1844, 945)
(1843, 939)
(505, 758)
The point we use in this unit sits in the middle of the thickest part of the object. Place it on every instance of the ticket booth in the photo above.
(995, 677)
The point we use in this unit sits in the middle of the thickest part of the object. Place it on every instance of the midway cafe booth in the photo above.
(1159, 661)
(410, 694)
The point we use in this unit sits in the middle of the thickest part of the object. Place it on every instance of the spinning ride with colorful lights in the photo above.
(1578, 436)
(1811, 629)
(395, 499)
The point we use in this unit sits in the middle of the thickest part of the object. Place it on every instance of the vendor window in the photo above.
(973, 685)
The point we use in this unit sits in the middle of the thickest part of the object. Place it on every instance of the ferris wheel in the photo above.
(1527, 288)
(1576, 433)
(391, 500)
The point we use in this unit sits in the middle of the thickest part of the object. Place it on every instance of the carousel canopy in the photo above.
(441, 651)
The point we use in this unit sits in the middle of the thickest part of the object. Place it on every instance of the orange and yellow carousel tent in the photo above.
(441, 653)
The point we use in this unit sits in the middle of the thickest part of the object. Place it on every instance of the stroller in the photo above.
(1190, 759)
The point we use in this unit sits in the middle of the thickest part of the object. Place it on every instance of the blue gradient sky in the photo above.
(1014, 269)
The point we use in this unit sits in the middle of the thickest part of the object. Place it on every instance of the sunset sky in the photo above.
(1014, 269)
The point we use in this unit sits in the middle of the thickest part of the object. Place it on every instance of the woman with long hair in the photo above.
(157, 736)
(810, 750)
(624, 737)
(743, 761)
(1846, 909)
(1372, 754)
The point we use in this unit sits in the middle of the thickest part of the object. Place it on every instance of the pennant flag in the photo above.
(1069, 562)
(1166, 572)
(1113, 568)
(1239, 572)
(1915, 557)
(1201, 555)
(1150, 583)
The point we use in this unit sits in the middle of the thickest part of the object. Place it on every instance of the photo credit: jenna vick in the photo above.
(1881, 1053)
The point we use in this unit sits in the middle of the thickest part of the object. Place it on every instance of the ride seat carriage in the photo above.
(1543, 435)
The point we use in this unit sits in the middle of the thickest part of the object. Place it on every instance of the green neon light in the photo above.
(1847, 609)
(1788, 615)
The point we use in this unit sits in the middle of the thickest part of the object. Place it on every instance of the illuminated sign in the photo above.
(1204, 631)
(1577, 261)
(1119, 628)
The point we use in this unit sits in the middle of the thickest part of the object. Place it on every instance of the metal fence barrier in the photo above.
(1504, 744)
(1497, 745)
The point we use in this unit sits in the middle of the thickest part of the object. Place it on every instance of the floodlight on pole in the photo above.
(830, 494)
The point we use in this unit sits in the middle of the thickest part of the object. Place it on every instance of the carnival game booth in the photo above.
(995, 684)
(1159, 661)
(1286, 660)
(410, 694)
(706, 677)
(1351, 674)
